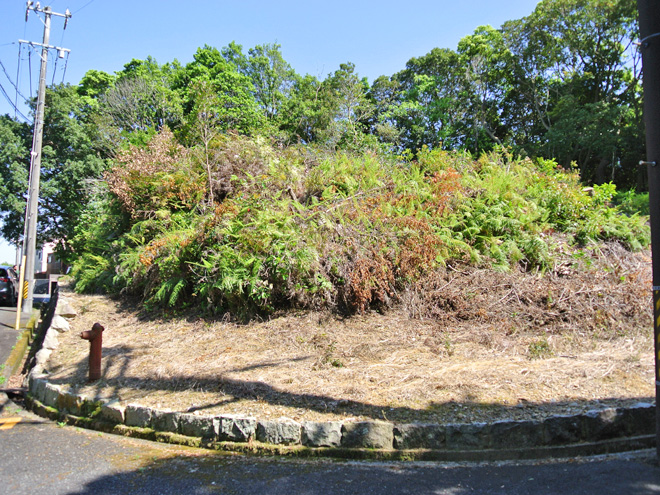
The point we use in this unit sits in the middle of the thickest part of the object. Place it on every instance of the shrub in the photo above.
(301, 227)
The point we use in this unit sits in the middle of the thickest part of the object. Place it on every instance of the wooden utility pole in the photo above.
(649, 32)
(30, 238)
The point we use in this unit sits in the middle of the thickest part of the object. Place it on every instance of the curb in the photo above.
(25, 339)
(601, 431)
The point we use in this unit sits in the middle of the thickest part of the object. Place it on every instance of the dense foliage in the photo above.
(304, 227)
(234, 182)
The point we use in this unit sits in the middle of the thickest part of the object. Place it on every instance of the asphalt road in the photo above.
(41, 457)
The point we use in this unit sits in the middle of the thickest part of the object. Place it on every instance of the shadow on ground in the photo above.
(232, 390)
(241, 475)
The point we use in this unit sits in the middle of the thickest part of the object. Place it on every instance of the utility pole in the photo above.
(649, 32)
(30, 238)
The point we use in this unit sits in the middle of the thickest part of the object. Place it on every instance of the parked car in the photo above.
(8, 286)
(41, 293)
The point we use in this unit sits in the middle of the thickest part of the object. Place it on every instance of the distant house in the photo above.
(46, 262)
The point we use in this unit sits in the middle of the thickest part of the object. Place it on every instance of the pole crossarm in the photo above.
(46, 10)
(50, 47)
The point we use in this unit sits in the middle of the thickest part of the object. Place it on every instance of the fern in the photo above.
(170, 291)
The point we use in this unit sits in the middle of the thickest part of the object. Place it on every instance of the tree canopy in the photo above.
(561, 83)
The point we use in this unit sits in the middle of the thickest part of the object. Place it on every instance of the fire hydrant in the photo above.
(95, 337)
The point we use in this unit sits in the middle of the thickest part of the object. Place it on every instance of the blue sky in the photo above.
(379, 37)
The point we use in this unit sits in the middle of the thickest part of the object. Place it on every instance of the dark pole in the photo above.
(649, 32)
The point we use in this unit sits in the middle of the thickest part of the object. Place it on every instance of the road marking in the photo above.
(8, 423)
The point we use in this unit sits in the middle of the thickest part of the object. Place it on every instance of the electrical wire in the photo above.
(4, 93)
(12, 82)
(66, 64)
(52, 82)
(30, 68)
(78, 10)
(18, 76)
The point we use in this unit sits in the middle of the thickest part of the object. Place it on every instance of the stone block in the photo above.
(114, 412)
(284, 431)
(419, 436)
(516, 434)
(638, 419)
(65, 309)
(50, 341)
(165, 421)
(69, 402)
(60, 324)
(468, 436)
(42, 357)
(236, 428)
(601, 424)
(37, 387)
(51, 394)
(192, 425)
(368, 435)
(139, 416)
(321, 434)
(562, 430)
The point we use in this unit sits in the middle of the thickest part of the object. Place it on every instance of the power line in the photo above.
(66, 65)
(30, 68)
(12, 83)
(78, 10)
(11, 103)
(18, 75)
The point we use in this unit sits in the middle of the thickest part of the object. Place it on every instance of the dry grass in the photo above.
(468, 345)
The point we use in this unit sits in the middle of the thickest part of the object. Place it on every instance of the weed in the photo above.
(449, 347)
(539, 349)
(328, 356)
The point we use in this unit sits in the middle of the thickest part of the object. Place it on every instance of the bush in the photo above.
(300, 227)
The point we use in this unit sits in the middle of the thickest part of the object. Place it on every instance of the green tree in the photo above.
(70, 161)
(235, 106)
(487, 63)
(348, 109)
(142, 100)
(579, 80)
(271, 76)
(429, 109)
(15, 142)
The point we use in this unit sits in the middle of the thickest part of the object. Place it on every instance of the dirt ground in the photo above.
(464, 345)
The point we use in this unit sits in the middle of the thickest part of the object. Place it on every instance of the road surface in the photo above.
(41, 457)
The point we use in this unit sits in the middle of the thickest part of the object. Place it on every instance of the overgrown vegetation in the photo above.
(234, 184)
(563, 83)
(306, 228)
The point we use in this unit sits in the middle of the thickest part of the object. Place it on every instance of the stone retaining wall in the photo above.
(597, 431)
(593, 426)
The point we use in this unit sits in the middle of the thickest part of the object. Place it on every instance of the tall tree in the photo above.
(69, 161)
(142, 99)
(581, 77)
(236, 107)
(486, 61)
(427, 109)
(271, 76)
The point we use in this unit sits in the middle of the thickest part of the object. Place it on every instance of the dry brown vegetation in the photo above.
(465, 344)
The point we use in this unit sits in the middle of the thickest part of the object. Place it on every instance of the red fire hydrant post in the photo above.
(95, 337)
